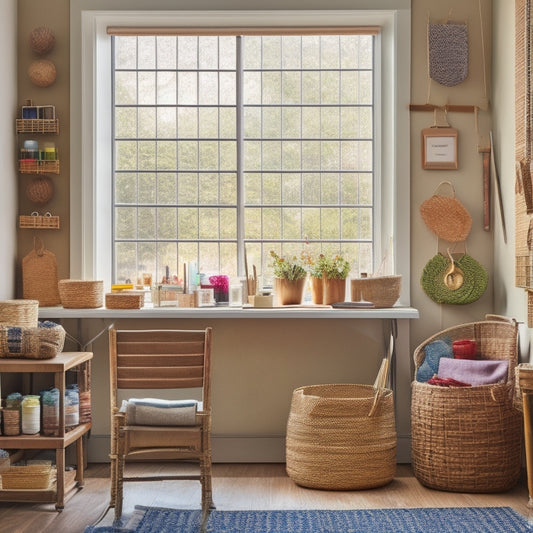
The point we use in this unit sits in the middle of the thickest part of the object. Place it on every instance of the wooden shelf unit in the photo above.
(65, 481)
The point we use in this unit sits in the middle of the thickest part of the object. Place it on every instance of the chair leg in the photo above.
(119, 483)
(205, 480)
(113, 474)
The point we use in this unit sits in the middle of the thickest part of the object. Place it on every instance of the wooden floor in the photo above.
(236, 486)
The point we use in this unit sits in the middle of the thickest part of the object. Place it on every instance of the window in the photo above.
(254, 192)
(224, 143)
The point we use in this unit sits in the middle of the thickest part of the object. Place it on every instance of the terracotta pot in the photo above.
(289, 292)
(334, 290)
(317, 290)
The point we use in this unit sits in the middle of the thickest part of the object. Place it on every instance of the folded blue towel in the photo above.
(157, 412)
(433, 351)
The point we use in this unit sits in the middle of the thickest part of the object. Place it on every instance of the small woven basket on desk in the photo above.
(124, 300)
(78, 294)
(19, 313)
(382, 291)
(468, 439)
(27, 477)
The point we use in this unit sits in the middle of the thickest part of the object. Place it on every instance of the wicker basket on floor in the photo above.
(78, 294)
(333, 443)
(468, 439)
(343, 436)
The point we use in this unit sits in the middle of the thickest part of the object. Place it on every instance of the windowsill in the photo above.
(397, 312)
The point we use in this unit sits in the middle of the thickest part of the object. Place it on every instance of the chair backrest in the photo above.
(160, 359)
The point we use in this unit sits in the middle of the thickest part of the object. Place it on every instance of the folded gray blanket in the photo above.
(156, 412)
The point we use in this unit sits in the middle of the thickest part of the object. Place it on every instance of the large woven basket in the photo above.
(19, 313)
(382, 291)
(468, 439)
(78, 294)
(336, 440)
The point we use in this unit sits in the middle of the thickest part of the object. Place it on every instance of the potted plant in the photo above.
(316, 271)
(335, 270)
(289, 281)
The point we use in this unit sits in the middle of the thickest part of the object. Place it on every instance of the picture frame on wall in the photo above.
(439, 148)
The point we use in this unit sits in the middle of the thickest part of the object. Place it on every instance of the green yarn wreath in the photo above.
(474, 284)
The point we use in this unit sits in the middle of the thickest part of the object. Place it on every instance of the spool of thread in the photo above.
(72, 406)
(49, 151)
(50, 401)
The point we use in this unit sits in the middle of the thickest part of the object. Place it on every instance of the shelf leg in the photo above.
(79, 462)
(60, 465)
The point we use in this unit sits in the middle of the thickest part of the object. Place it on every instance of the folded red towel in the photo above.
(447, 382)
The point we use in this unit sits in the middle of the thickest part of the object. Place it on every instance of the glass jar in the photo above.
(31, 415)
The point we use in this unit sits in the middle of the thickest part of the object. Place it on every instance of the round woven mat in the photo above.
(474, 283)
(446, 217)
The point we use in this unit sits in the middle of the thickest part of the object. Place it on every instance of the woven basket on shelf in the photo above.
(19, 313)
(27, 477)
(42, 342)
(124, 300)
(382, 291)
(78, 294)
(11, 421)
(468, 439)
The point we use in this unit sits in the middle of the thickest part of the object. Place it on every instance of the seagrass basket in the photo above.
(382, 291)
(336, 440)
(27, 477)
(19, 313)
(78, 294)
(124, 300)
(468, 439)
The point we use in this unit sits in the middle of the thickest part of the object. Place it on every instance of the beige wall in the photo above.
(509, 300)
(8, 179)
(467, 180)
(55, 15)
(262, 356)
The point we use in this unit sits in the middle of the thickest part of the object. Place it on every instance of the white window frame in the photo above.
(91, 131)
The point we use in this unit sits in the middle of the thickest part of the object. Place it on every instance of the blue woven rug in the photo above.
(424, 520)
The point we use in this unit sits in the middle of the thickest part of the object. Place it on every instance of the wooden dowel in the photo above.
(448, 107)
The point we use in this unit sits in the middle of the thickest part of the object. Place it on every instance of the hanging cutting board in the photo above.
(39, 275)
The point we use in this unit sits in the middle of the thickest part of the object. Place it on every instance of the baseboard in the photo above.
(238, 449)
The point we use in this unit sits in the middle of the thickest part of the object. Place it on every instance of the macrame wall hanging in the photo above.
(448, 53)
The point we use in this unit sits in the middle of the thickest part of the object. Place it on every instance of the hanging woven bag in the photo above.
(446, 216)
(454, 281)
(448, 53)
(39, 275)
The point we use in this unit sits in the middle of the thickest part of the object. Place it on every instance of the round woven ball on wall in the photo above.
(42, 40)
(40, 190)
(42, 72)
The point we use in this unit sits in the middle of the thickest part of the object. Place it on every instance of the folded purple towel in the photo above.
(475, 372)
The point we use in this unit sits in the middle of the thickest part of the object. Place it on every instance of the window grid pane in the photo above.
(308, 150)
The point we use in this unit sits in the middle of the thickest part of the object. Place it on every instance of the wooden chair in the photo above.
(160, 359)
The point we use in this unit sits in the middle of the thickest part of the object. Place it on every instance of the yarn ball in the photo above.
(433, 353)
(40, 190)
(42, 72)
(42, 40)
